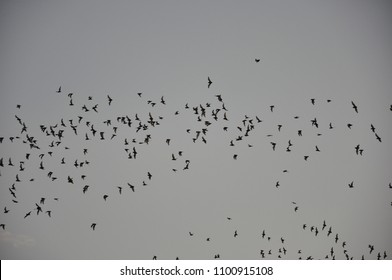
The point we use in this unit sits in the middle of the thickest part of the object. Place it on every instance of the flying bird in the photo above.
(209, 82)
(354, 106)
(85, 188)
(132, 187)
(110, 100)
(357, 148)
(39, 209)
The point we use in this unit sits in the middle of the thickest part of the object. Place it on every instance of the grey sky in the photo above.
(337, 50)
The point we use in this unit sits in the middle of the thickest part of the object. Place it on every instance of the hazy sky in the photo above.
(326, 50)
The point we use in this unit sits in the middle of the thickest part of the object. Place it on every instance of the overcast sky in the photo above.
(321, 50)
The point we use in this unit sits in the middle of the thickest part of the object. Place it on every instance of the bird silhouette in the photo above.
(109, 100)
(38, 208)
(371, 247)
(257, 60)
(131, 187)
(59, 148)
(85, 188)
(209, 82)
(357, 148)
(329, 231)
(354, 107)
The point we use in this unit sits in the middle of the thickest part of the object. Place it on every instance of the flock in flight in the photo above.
(48, 148)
